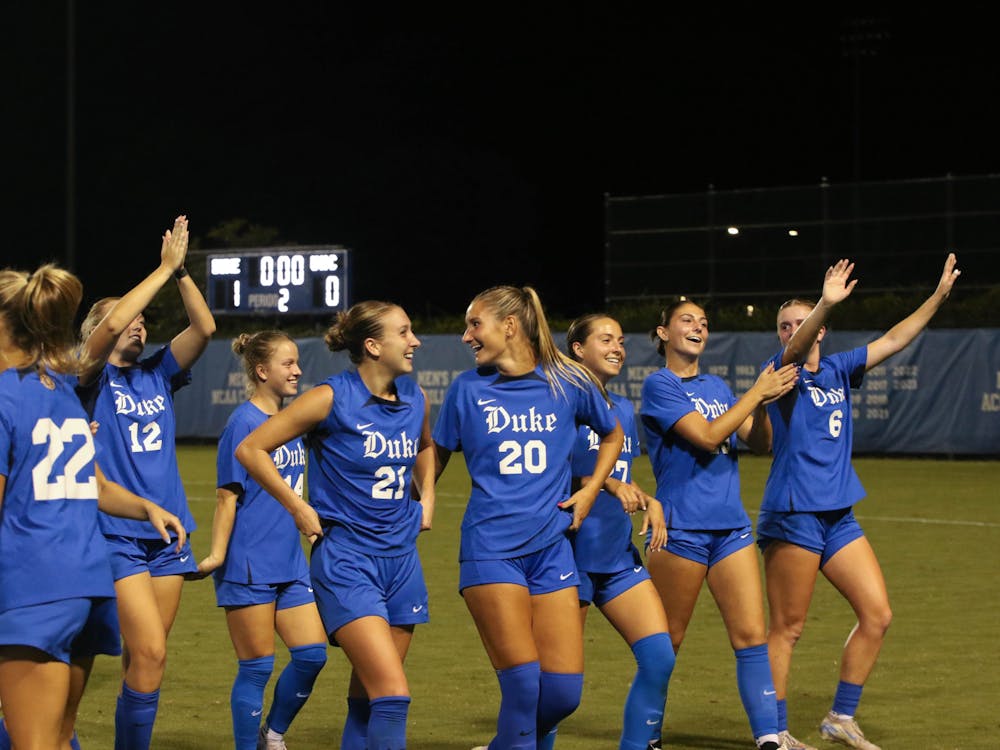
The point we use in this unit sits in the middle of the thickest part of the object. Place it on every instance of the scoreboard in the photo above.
(306, 280)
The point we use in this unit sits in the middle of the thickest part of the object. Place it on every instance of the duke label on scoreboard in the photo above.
(305, 280)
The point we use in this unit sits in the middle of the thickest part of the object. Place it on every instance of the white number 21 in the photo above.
(383, 490)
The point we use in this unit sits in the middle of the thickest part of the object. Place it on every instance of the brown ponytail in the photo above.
(524, 304)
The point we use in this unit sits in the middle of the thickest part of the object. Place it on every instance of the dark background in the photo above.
(457, 149)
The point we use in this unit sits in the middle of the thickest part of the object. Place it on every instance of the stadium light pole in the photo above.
(71, 135)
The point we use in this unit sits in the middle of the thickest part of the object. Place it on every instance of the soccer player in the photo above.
(131, 399)
(261, 577)
(515, 418)
(370, 441)
(612, 575)
(57, 606)
(692, 421)
(807, 523)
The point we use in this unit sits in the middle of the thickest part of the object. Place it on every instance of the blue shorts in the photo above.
(350, 585)
(708, 547)
(823, 532)
(130, 555)
(550, 569)
(601, 588)
(65, 629)
(283, 595)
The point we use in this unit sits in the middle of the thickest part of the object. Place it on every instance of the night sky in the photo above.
(456, 150)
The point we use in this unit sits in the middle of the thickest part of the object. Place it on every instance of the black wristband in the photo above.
(180, 273)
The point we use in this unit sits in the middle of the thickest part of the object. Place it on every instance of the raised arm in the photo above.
(837, 286)
(900, 335)
(255, 451)
(188, 345)
(102, 339)
(708, 436)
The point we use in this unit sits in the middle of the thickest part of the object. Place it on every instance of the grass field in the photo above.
(934, 524)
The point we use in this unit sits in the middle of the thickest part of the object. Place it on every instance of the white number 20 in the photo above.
(65, 486)
(535, 458)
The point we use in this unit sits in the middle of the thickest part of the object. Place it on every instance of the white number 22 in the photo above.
(65, 486)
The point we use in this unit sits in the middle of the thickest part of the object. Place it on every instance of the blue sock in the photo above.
(753, 677)
(782, 715)
(134, 718)
(74, 742)
(558, 696)
(295, 684)
(519, 688)
(387, 724)
(548, 741)
(643, 721)
(847, 698)
(355, 736)
(246, 700)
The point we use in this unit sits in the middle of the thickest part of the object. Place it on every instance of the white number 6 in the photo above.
(836, 423)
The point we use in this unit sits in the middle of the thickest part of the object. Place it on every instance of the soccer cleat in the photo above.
(655, 745)
(263, 743)
(481, 747)
(790, 743)
(845, 731)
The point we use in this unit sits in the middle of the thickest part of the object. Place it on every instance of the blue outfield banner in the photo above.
(940, 395)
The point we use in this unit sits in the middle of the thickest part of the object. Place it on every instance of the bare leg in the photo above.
(370, 644)
(146, 610)
(791, 578)
(34, 689)
(79, 673)
(251, 629)
(855, 572)
(299, 626)
(502, 613)
(557, 633)
(735, 584)
(678, 582)
(636, 613)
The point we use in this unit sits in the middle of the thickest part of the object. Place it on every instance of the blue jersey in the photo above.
(265, 545)
(134, 407)
(517, 437)
(361, 465)
(604, 542)
(813, 435)
(699, 490)
(49, 534)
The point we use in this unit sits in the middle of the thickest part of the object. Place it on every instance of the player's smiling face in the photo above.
(485, 333)
(132, 340)
(603, 352)
(281, 372)
(398, 342)
(687, 332)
